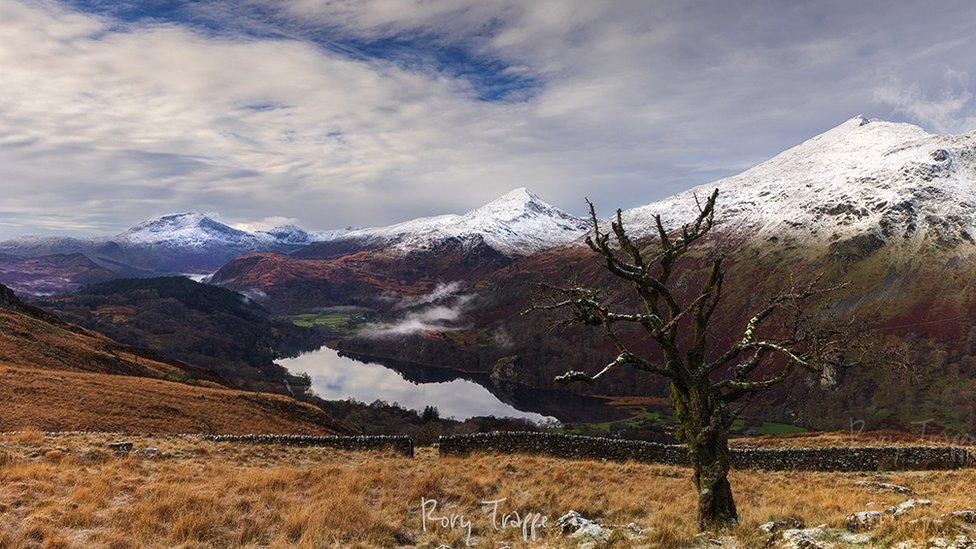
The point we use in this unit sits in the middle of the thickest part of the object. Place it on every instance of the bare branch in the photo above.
(575, 375)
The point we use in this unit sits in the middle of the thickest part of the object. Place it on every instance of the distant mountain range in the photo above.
(517, 223)
(366, 266)
(176, 243)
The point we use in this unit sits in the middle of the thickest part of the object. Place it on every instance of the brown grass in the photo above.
(70, 491)
(48, 400)
(55, 376)
(37, 343)
(850, 439)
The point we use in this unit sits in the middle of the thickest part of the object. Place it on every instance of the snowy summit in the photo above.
(516, 223)
(864, 176)
(185, 230)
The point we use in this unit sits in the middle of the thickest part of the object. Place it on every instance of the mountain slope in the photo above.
(48, 274)
(865, 177)
(58, 376)
(219, 331)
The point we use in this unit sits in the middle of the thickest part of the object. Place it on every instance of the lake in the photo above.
(339, 377)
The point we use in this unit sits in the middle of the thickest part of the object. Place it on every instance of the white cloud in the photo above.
(949, 110)
(265, 223)
(104, 124)
(441, 317)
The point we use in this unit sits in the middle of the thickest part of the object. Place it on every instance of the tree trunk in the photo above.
(716, 507)
(705, 430)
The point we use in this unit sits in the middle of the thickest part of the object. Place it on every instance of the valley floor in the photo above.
(73, 491)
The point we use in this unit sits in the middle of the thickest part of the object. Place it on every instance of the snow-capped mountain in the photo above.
(517, 223)
(293, 234)
(31, 245)
(880, 180)
(187, 242)
(188, 230)
(288, 234)
(195, 230)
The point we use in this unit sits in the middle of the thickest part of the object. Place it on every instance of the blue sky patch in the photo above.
(490, 78)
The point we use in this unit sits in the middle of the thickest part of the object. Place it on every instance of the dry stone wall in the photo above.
(400, 445)
(809, 459)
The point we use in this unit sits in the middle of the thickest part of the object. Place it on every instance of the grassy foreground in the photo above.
(72, 491)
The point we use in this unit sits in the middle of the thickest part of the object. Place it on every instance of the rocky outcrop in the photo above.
(907, 506)
(589, 533)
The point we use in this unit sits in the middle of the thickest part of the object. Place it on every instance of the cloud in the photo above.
(338, 113)
(441, 310)
(950, 109)
(265, 223)
(442, 291)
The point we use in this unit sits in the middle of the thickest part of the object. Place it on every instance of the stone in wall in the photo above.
(811, 459)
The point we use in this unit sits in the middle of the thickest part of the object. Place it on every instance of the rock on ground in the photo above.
(778, 525)
(864, 520)
(907, 506)
(884, 486)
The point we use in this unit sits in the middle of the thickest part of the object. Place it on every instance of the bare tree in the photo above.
(703, 382)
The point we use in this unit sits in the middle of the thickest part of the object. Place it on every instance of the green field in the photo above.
(344, 322)
(654, 420)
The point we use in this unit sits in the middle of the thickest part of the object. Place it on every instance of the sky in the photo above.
(334, 113)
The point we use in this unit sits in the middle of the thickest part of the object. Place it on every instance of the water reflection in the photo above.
(336, 377)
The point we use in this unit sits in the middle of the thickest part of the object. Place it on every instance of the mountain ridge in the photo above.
(517, 223)
(864, 176)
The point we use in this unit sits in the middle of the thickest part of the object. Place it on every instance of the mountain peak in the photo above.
(180, 217)
(519, 194)
(514, 203)
(288, 234)
(518, 222)
(863, 176)
(192, 229)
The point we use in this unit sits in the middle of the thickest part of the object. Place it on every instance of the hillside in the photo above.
(220, 332)
(371, 278)
(71, 491)
(47, 274)
(57, 376)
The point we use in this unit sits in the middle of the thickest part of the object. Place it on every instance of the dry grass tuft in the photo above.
(200, 494)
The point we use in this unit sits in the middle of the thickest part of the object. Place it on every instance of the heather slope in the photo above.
(217, 330)
(58, 376)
